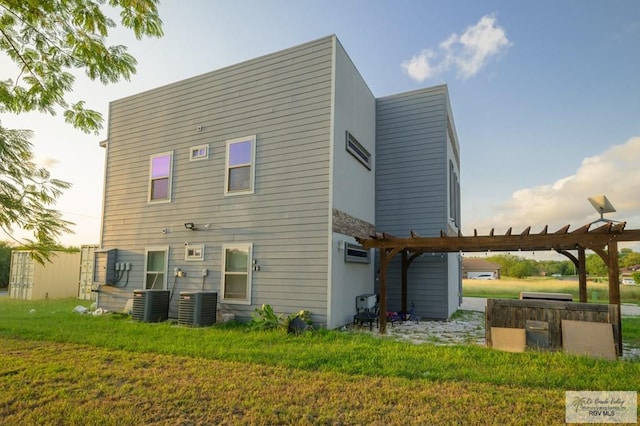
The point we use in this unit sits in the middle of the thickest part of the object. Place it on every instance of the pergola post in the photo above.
(383, 291)
(614, 273)
(405, 279)
(614, 286)
(582, 274)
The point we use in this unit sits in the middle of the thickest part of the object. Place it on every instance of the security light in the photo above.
(190, 226)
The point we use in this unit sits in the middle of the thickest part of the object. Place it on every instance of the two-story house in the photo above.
(253, 180)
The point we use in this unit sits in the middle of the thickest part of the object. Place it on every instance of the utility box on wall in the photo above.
(30, 280)
(104, 271)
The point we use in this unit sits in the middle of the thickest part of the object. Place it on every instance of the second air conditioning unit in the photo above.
(197, 308)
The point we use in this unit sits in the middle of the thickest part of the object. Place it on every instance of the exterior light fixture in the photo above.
(190, 226)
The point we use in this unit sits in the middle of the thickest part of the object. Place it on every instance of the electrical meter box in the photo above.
(104, 271)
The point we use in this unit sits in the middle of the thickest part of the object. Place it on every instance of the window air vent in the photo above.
(358, 151)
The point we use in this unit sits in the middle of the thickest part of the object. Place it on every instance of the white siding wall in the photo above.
(285, 100)
(352, 185)
(412, 191)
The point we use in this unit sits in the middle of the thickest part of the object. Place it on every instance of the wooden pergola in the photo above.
(602, 240)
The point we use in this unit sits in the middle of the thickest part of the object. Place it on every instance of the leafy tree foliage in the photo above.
(629, 258)
(5, 263)
(518, 267)
(514, 266)
(596, 266)
(48, 40)
(26, 192)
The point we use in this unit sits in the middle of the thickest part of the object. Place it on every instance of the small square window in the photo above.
(200, 152)
(194, 252)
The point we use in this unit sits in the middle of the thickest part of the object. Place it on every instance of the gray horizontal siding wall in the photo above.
(285, 100)
(411, 189)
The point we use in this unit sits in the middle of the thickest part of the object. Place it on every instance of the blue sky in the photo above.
(545, 94)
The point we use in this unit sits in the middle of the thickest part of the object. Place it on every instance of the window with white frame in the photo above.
(354, 148)
(194, 252)
(200, 152)
(160, 169)
(236, 274)
(156, 268)
(240, 166)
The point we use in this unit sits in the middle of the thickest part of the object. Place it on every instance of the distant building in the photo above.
(474, 267)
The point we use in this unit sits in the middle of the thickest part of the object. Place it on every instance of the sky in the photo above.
(545, 94)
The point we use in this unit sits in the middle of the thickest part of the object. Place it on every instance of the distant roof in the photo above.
(478, 264)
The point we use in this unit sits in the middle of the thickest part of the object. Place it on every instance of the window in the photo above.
(156, 268)
(240, 170)
(199, 152)
(358, 151)
(194, 252)
(236, 275)
(160, 177)
(454, 195)
(356, 254)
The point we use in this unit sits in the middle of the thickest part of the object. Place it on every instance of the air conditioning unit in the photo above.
(150, 305)
(197, 308)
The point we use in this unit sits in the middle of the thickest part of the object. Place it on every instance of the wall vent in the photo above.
(197, 308)
(150, 305)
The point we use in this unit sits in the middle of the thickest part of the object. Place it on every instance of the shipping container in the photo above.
(87, 262)
(30, 280)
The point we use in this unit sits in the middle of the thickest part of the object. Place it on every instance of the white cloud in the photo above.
(614, 173)
(467, 53)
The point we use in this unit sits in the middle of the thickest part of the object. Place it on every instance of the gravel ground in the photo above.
(466, 328)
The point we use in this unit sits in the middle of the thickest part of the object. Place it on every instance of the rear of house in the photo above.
(418, 189)
(253, 181)
(228, 181)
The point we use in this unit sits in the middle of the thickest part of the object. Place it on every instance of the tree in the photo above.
(629, 258)
(26, 191)
(5, 263)
(596, 266)
(47, 40)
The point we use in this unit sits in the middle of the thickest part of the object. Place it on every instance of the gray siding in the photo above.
(412, 189)
(285, 100)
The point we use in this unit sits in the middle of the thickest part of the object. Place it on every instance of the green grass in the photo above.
(510, 288)
(65, 365)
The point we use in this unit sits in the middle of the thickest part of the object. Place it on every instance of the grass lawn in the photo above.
(60, 367)
(510, 288)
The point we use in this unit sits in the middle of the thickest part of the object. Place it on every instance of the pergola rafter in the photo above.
(602, 240)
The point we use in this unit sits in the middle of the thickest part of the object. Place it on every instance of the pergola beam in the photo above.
(602, 240)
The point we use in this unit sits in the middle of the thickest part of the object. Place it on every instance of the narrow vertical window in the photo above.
(236, 275)
(240, 166)
(160, 177)
(156, 269)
